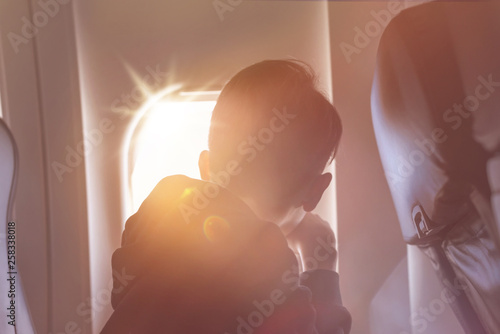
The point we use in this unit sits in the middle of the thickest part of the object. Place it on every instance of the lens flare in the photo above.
(215, 228)
(186, 192)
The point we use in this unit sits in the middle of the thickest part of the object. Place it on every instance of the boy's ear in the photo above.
(204, 165)
(316, 190)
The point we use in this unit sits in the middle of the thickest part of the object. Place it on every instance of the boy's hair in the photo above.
(306, 142)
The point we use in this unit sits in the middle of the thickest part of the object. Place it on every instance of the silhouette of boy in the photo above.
(239, 250)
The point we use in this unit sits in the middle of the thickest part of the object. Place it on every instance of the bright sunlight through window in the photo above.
(170, 140)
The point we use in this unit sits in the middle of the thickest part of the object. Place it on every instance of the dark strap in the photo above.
(459, 301)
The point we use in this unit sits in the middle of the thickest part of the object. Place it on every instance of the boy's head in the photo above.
(272, 134)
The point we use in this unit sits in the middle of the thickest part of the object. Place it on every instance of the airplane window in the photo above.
(170, 139)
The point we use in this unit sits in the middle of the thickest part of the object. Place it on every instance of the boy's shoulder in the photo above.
(187, 221)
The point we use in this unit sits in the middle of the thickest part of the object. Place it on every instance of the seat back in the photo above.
(435, 91)
(12, 298)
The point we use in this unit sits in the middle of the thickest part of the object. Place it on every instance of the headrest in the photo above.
(429, 90)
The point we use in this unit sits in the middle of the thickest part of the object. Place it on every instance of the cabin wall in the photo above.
(369, 238)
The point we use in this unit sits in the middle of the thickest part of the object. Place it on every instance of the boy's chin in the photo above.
(286, 220)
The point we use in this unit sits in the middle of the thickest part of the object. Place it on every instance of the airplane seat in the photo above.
(17, 320)
(486, 130)
(494, 178)
(436, 115)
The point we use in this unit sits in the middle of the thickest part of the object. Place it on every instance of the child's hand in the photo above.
(314, 243)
